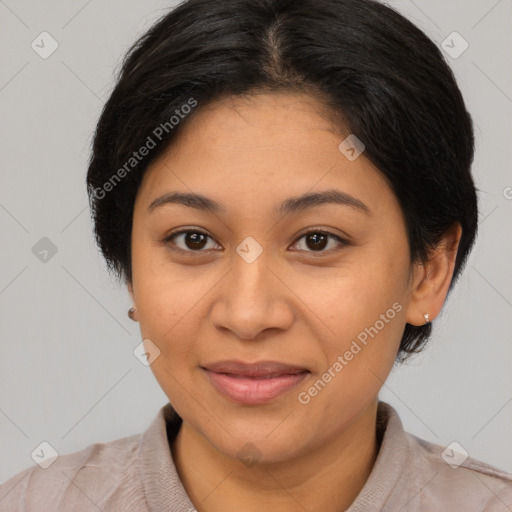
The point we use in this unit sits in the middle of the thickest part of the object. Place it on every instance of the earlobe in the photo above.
(433, 278)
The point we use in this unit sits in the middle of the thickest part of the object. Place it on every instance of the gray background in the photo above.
(67, 372)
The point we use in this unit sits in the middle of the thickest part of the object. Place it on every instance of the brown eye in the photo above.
(195, 241)
(190, 240)
(317, 241)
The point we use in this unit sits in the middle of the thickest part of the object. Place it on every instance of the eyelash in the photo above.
(169, 238)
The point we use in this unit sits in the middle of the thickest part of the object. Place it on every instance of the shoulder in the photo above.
(447, 475)
(103, 474)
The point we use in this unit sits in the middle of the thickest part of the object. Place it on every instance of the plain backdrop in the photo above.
(68, 375)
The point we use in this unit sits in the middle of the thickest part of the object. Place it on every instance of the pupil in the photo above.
(194, 238)
(316, 243)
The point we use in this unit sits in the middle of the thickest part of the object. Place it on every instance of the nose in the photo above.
(252, 298)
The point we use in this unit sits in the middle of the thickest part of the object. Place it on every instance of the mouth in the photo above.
(255, 383)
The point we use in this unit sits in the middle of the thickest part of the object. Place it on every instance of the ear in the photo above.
(431, 280)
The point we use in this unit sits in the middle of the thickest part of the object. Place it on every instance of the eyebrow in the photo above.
(290, 205)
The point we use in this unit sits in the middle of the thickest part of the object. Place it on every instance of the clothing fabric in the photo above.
(138, 474)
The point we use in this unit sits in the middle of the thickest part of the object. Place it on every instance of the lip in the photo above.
(253, 383)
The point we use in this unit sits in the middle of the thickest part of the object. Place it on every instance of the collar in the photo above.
(164, 489)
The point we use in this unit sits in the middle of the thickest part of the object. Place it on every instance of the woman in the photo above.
(284, 187)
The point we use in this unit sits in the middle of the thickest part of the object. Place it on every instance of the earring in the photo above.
(131, 313)
(426, 315)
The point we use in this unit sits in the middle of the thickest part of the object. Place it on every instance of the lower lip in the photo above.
(247, 390)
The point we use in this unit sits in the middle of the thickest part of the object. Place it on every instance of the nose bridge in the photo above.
(251, 274)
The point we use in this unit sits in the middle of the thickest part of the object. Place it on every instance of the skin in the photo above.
(294, 304)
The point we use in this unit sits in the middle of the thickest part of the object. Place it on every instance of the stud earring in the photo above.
(426, 315)
(131, 313)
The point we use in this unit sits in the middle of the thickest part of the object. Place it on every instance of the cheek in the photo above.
(366, 305)
(356, 296)
(368, 323)
(164, 292)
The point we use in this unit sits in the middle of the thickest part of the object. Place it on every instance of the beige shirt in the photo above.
(137, 474)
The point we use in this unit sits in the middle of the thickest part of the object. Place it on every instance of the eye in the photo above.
(318, 240)
(194, 240)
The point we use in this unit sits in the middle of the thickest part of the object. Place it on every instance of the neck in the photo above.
(328, 478)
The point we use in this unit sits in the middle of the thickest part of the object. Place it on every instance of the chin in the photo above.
(257, 441)
(261, 450)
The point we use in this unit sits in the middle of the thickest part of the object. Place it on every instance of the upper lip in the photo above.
(258, 369)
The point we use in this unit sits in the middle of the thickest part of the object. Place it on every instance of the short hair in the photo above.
(374, 70)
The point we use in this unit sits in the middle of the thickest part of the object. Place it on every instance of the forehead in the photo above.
(300, 111)
(256, 149)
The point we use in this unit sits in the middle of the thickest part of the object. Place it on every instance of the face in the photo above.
(247, 283)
